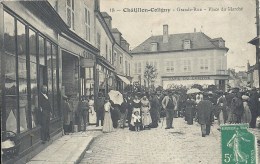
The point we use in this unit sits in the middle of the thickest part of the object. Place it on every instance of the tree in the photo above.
(150, 73)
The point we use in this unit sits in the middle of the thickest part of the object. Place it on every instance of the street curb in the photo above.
(84, 152)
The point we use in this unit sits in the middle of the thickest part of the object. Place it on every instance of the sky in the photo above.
(236, 27)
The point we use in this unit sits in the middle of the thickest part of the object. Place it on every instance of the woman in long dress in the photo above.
(92, 113)
(189, 110)
(108, 124)
(146, 116)
(136, 104)
(247, 116)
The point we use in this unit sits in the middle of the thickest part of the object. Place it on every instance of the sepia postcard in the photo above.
(130, 81)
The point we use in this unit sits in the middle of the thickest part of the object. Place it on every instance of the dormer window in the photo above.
(154, 47)
(186, 44)
(221, 43)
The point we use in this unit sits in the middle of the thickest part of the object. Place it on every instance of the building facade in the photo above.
(105, 42)
(182, 59)
(43, 45)
(30, 58)
(78, 50)
(122, 60)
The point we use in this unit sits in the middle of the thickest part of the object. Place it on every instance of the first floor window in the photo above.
(138, 68)
(204, 65)
(186, 65)
(169, 66)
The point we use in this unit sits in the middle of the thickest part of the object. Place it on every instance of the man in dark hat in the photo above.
(100, 109)
(67, 114)
(204, 111)
(169, 103)
(83, 109)
(46, 109)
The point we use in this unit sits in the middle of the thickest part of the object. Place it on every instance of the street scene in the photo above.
(152, 81)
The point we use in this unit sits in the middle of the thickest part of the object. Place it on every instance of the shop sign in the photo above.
(88, 55)
(87, 63)
(190, 78)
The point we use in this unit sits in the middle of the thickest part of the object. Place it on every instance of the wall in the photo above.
(126, 57)
(216, 58)
(104, 40)
(79, 16)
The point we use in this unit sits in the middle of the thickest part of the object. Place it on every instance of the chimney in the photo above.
(165, 34)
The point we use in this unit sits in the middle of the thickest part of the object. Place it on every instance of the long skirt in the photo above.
(108, 124)
(146, 117)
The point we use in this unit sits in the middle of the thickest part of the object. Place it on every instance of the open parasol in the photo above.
(116, 97)
(193, 90)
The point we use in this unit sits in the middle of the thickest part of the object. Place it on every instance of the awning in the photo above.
(124, 79)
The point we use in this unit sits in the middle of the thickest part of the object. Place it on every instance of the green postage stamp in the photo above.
(238, 145)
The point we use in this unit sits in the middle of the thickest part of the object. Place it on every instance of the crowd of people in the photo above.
(143, 111)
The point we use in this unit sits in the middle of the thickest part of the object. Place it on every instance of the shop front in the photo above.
(122, 82)
(78, 62)
(29, 60)
(188, 81)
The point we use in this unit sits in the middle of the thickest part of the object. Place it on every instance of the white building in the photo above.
(182, 59)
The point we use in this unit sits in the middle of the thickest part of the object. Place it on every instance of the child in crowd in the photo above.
(137, 120)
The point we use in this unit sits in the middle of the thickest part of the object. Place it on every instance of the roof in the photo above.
(105, 15)
(115, 30)
(175, 43)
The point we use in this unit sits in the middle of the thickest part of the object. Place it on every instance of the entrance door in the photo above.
(222, 85)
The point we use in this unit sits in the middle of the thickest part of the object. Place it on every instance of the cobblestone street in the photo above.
(181, 145)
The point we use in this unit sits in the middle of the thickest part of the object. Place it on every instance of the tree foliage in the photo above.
(150, 73)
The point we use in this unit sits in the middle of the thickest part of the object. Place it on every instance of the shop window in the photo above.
(23, 95)
(54, 77)
(49, 75)
(22, 75)
(10, 93)
(32, 46)
(9, 33)
(33, 78)
(41, 51)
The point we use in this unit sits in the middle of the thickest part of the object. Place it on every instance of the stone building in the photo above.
(182, 59)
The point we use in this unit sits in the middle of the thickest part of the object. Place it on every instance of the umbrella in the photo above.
(116, 97)
(193, 90)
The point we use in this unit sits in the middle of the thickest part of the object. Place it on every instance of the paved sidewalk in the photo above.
(68, 149)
